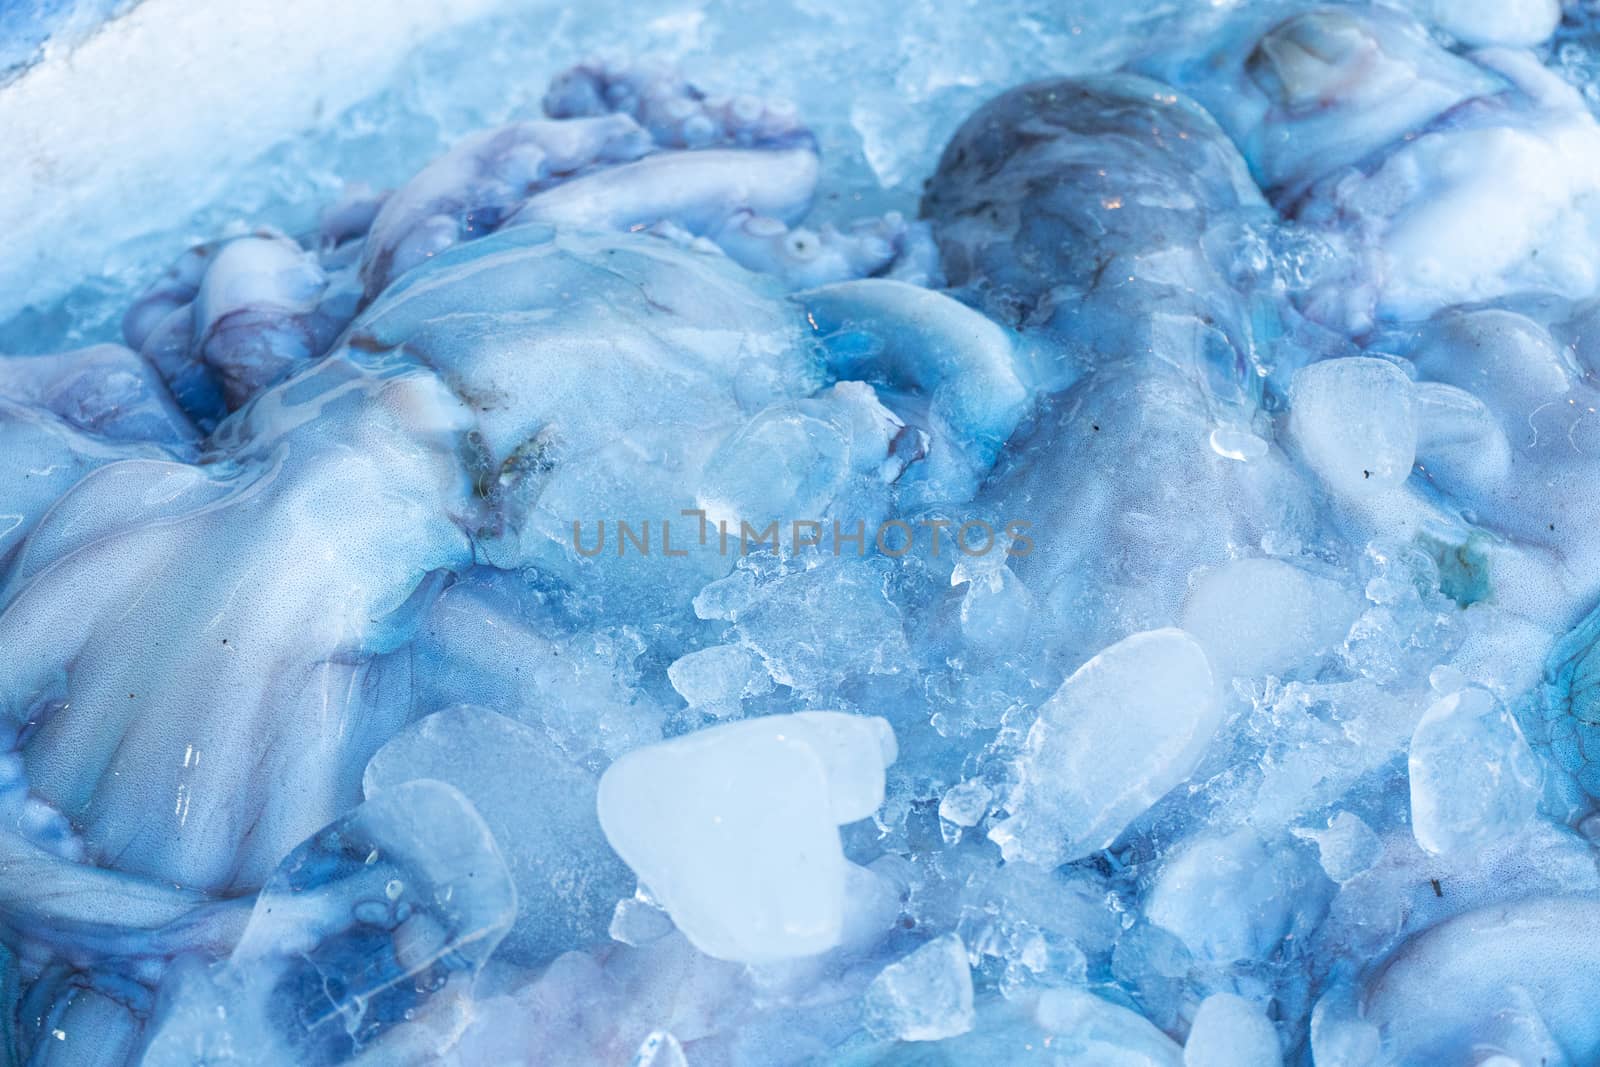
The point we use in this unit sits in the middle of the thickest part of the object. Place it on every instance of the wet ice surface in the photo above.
(816, 553)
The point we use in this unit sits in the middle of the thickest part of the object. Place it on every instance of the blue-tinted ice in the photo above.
(1093, 566)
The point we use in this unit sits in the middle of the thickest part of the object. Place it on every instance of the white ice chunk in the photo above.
(1520, 979)
(1127, 727)
(927, 996)
(1229, 1031)
(1352, 419)
(1265, 616)
(855, 750)
(1474, 780)
(735, 829)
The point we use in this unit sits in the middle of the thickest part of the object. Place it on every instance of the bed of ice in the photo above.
(751, 534)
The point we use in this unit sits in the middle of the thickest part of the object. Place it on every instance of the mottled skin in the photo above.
(1077, 212)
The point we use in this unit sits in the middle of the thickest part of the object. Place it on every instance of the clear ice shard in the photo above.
(734, 829)
(1474, 781)
(1128, 726)
(927, 996)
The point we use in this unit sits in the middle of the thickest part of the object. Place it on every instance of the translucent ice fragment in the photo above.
(716, 679)
(1347, 847)
(1474, 781)
(1353, 420)
(965, 802)
(815, 628)
(735, 829)
(927, 996)
(1229, 1031)
(1126, 727)
(637, 921)
(378, 919)
(1265, 616)
(540, 807)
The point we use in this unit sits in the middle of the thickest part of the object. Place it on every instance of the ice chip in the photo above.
(1346, 847)
(716, 679)
(1353, 420)
(927, 996)
(734, 829)
(1474, 781)
(1127, 727)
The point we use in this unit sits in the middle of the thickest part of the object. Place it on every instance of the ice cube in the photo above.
(1474, 781)
(1127, 727)
(927, 996)
(965, 803)
(1236, 897)
(1352, 418)
(734, 829)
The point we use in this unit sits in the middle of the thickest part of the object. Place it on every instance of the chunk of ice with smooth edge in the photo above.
(927, 996)
(717, 678)
(1521, 977)
(1127, 727)
(1517, 23)
(1474, 781)
(735, 829)
(1352, 419)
